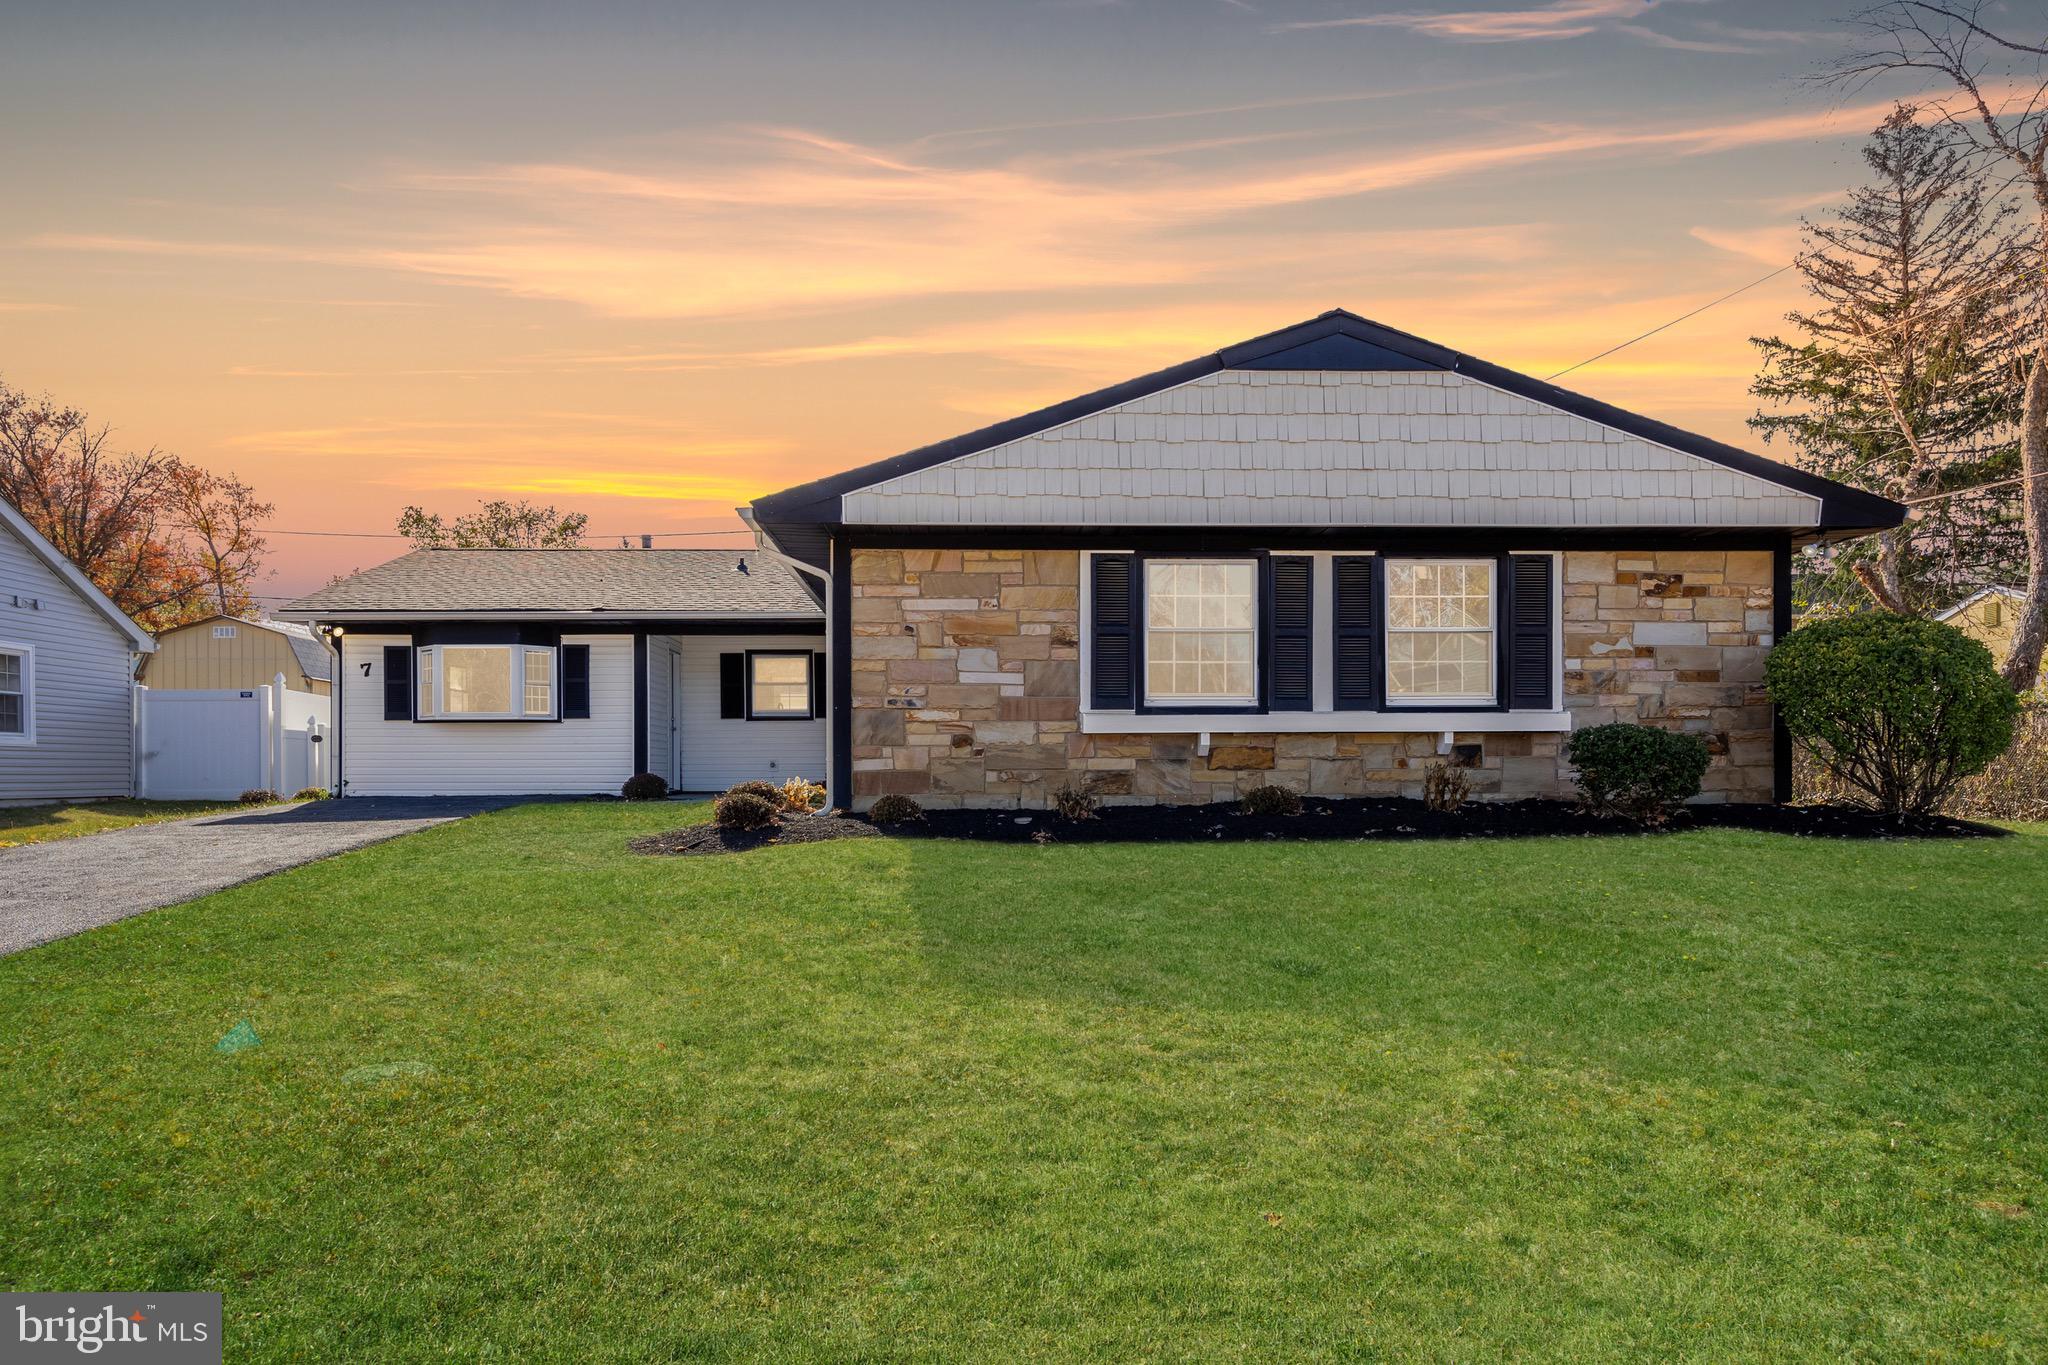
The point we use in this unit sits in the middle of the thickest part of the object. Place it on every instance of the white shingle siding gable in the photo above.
(1331, 448)
(80, 692)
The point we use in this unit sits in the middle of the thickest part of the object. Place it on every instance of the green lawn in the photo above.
(38, 824)
(523, 1096)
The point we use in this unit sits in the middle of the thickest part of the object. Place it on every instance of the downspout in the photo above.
(838, 776)
(330, 636)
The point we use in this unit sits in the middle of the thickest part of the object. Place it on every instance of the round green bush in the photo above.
(894, 809)
(1898, 708)
(1270, 800)
(1638, 772)
(767, 791)
(744, 810)
(645, 787)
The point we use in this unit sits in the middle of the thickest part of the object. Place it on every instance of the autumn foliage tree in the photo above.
(168, 541)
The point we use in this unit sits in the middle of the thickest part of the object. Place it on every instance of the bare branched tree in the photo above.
(1991, 92)
(1906, 378)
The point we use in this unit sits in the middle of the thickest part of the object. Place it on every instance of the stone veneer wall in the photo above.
(967, 688)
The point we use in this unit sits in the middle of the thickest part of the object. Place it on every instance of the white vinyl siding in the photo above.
(482, 758)
(1331, 448)
(80, 682)
(718, 752)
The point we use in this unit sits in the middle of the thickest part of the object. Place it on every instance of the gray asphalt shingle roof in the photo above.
(615, 582)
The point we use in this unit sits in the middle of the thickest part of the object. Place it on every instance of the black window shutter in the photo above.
(817, 685)
(1531, 667)
(1356, 617)
(732, 687)
(1112, 660)
(575, 682)
(1290, 640)
(398, 682)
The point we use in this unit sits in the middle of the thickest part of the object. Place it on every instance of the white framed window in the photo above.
(17, 694)
(486, 682)
(1440, 631)
(223, 632)
(1201, 632)
(778, 685)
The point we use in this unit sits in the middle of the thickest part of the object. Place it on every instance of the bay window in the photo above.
(1440, 630)
(1201, 632)
(486, 682)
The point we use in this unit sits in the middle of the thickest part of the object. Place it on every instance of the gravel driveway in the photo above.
(50, 891)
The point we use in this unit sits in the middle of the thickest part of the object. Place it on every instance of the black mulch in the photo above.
(789, 829)
(1384, 818)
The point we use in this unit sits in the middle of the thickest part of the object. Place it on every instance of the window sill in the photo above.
(1326, 722)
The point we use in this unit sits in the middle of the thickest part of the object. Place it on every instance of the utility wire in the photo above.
(1673, 323)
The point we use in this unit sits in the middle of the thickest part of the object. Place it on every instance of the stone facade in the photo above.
(967, 688)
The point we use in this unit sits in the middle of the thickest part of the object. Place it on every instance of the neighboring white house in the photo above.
(482, 672)
(67, 675)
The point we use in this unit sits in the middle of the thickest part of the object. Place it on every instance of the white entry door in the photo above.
(675, 717)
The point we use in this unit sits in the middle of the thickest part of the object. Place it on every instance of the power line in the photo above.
(1673, 323)
(587, 535)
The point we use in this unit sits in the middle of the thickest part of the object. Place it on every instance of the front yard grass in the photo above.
(38, 824)
(523, 1095)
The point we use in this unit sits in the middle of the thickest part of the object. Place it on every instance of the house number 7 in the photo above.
(366, 668)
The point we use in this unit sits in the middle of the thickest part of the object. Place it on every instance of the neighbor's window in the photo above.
(13, 694)
(1201, 632)
(486, 682)
(778, 685)
(1440, 630)
(223, 632)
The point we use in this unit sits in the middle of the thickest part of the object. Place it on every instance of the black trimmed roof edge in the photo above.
(1842, 507)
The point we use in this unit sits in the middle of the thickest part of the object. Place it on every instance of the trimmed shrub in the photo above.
(744, 810)
(1075, 803)
(259, 796)
(1270, 800)
(894, 809)
(1445, 787)
(800, 796)
(310, 794)
(1638, 772)
(645, 787)
(767, 791)
(1899, 709)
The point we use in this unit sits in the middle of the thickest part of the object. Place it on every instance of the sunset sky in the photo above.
(649, 261)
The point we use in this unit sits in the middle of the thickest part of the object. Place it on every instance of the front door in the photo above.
(675, 718)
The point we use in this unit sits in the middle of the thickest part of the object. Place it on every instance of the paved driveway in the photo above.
(49, 891)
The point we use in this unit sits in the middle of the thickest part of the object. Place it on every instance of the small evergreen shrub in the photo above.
(645, 787)
(1270, 800)
(894, 809)
(767, 791)
(1445, 787)
(1638, 772)
(800, 796)
(259, 796)
(1075, 803)
(310, 794)
(744, 810)
(1899, 709)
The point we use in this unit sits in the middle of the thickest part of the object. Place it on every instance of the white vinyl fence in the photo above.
(215, 745)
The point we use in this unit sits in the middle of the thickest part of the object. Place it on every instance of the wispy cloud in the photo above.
(1557, 20)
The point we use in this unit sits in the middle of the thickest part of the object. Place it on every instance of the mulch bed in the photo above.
(789, 829)
(1321, 819)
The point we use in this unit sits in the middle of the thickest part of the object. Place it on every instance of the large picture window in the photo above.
(1440, 624)
(486, 682)
(779, 686)
(15, 717)
(1201, 632)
